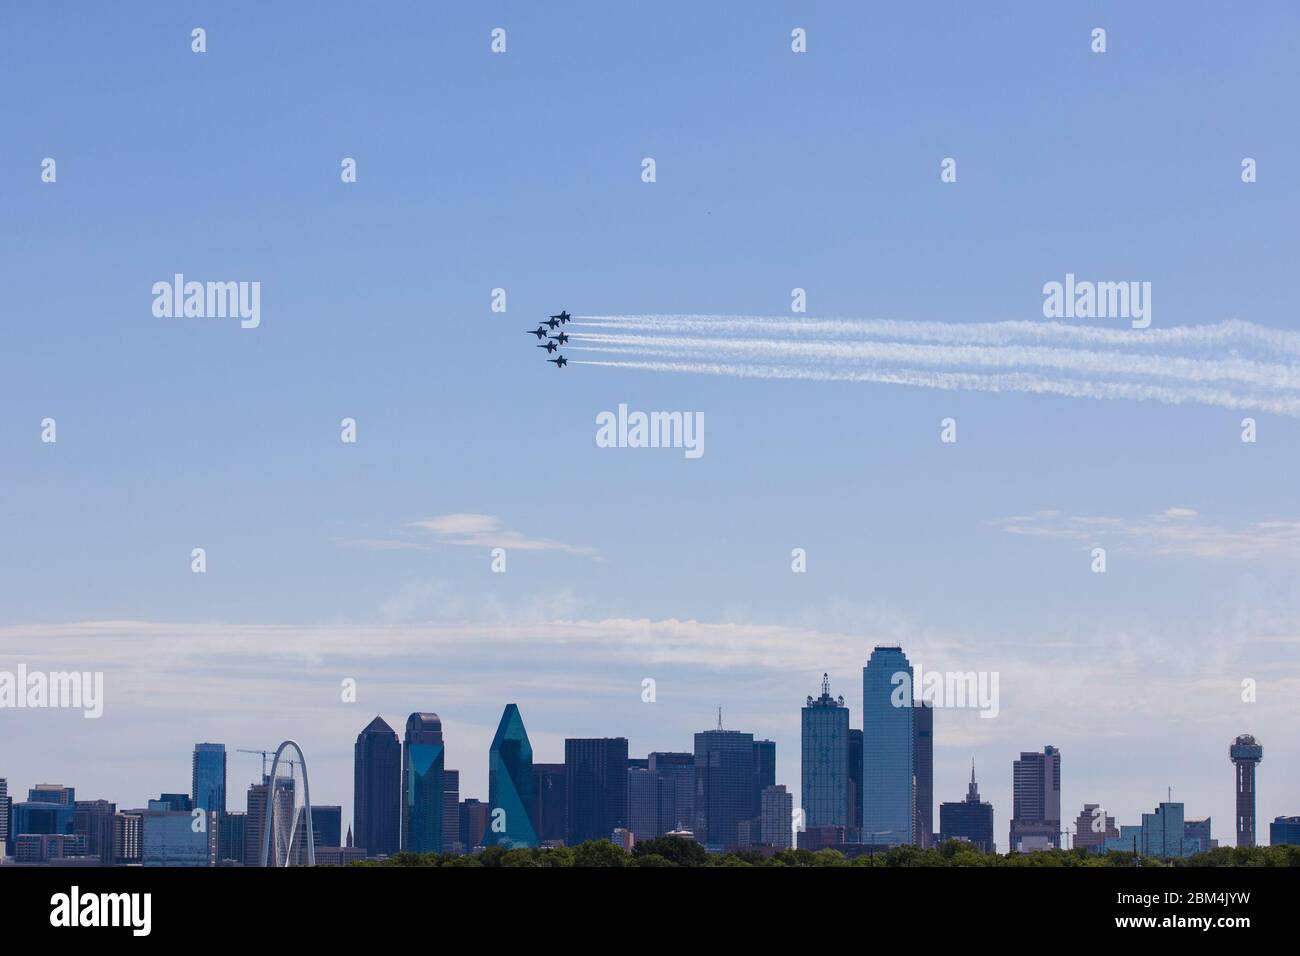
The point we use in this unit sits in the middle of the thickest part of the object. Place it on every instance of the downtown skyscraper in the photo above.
(422, 787)
(377, 789)
(724, 786)
(208, 777)
(888, 749)
(1036, 801)
(824, 760)
(595, 772)
(510, 785)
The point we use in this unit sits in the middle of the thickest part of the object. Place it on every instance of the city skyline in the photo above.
(186, 518)
(593, 808)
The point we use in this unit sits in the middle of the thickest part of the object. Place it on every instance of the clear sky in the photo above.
(523, 171)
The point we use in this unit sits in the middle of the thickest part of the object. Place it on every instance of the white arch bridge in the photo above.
(304, 813)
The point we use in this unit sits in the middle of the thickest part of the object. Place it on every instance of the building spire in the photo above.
(826, 686)
(719, 718)
(973, 793)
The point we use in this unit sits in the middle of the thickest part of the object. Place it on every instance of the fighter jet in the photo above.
(549, 346)
(540, 331)
(552, 321)
(559, 362)
(562, 338)
(563, 317)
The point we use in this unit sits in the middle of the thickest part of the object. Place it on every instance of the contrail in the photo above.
(1232, 364)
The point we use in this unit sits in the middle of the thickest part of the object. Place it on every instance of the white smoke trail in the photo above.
(1233, 364)
(1009, 382)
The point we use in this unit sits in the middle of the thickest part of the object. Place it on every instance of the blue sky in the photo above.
(522, 171)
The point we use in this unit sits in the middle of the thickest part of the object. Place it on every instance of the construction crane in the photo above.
(265, 754)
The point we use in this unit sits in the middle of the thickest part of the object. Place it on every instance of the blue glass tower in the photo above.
(208, 778)
(825, 760)
(510, 785)
(422, 763)
(888, 758)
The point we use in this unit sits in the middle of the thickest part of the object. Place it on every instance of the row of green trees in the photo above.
(674, 851)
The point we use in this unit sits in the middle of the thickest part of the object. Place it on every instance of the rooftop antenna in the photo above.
(826, 686)
(719, 718)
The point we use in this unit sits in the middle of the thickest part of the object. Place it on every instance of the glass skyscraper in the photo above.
(422, 763)
(377, 790)
(825, 760)
(510, 785)
(208, 778)
(596, 784)
(724, 786)
(888, 765)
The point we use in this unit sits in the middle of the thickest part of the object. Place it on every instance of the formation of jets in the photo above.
(552, 342)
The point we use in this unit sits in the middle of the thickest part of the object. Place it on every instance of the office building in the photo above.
(724, 786)
(549, 802)
(1036, 801)
(824, 760)
(776, 815)
(422, 763)
(510, 785)
(1093, 827)
(888, 757)
(923, 768)
(970, 819)
(1284, 831)
(208, 778)
(377, 790)
(596, 785)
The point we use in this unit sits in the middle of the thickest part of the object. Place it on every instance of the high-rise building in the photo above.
(6, 802)
(128, 833)
(596, 786)
(549, 802)
(1093, 827)
(510, 784)
(1162, 835)
(970, 819)
(230, 836)
(473, 823)
(423, 754)
(208, 777)
(643, 802)
(1199, 830)
(824, 760)
(93, 819)
(776, 815)
(923, 768)
(724, 786)
(1245, 754)
(172, 803)
(168, 838)
(888, 764)
(377, 789)
(52, 793)
(676, 773)
(1036, 801)
(451, 812)
(764, 771)
(256, 817)
(1284, 831)
(854, 828)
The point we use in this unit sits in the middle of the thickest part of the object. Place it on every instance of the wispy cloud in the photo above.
(467, 529)
(1234, 364)
(488, 531)
(1175, 531)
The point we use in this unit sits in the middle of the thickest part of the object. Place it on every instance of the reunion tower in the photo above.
(1245, 753)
